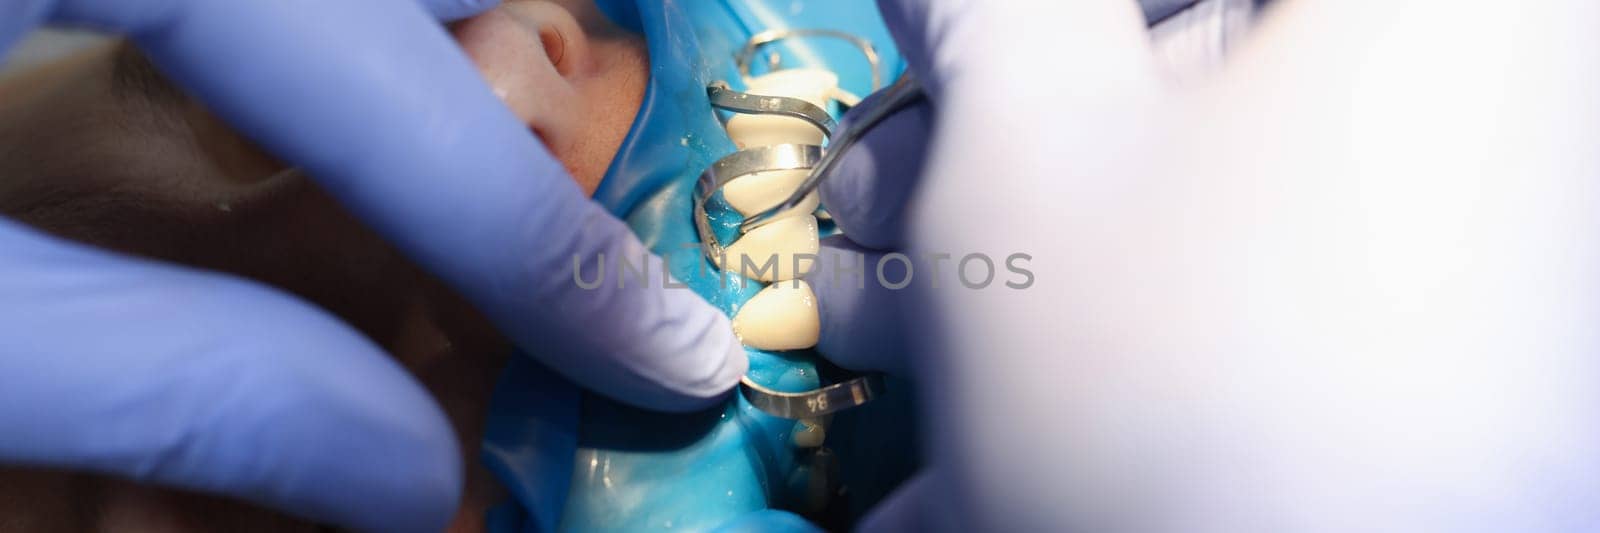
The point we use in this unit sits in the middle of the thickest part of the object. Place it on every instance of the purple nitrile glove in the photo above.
(202, 381)
(1345, 283)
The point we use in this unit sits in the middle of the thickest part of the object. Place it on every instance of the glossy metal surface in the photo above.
(902, 94)
(737, 165)
(724, 98)
(813, 403)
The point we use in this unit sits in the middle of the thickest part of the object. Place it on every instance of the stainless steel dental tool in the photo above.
(818, 162)
(903, 93)
(813, 403)
(771, 36)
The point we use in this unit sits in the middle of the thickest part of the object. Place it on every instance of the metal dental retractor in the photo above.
(903, 93)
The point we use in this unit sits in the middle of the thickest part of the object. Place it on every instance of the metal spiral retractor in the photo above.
(819, 162)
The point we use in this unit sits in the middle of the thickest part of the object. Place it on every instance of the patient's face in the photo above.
(105, 153)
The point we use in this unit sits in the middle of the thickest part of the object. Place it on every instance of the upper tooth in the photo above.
(756, 192)
(813, 85)
(750, 131)
(790, 242)
(782, 316)
(809, 84)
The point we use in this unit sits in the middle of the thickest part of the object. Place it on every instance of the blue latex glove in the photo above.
(1322, 289)
(196, 380)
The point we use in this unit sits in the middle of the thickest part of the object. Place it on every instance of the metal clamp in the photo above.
(737, 165)
(904, 93)
(858, 390)
(901, 95)
(813, 403)
(742, 59)
(724, 98)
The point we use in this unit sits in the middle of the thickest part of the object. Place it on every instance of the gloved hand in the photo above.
(1344, 284)
(202, 381)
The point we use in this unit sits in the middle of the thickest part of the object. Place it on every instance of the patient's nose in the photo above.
(526, 50)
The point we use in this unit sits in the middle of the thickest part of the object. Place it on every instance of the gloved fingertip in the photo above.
(451, 10)
(697, 391)
(866, 194)
(908, 508)
(861, 328)
(851, 200)
(427, 495)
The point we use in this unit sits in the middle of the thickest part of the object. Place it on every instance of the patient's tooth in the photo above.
(782, 316)
(750, 131)
(756, 192)
(811, 85)
(809, 433)
(768, 253)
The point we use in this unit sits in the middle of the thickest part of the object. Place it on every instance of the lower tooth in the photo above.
(782, 316)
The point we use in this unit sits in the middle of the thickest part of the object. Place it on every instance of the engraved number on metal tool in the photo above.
(814, 403)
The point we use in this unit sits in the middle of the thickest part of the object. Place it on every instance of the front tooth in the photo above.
(790, 241)
(749, 131)
(756, 192)
(813, 85)
(809, 433)
(782, 316)
(809, 84)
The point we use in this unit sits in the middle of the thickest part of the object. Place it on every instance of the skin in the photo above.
(98, 148)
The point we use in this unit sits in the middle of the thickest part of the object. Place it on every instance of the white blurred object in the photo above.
(1348, 283)
(1195, 41)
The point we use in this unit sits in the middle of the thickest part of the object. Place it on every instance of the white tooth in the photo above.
(750, 131)
(809, 433)
(769, 253)
(809, 84)
(782, 316)
(756, 192)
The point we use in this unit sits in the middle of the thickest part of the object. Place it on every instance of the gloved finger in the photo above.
(858, 297)
(868, 192)
(210, 383)
(909, 508)
(1094, 47)
(864, 296)
(374, 100)
(1156, 10)
(20, 17)
(449, 10)
(916, 27)
(769, 521)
